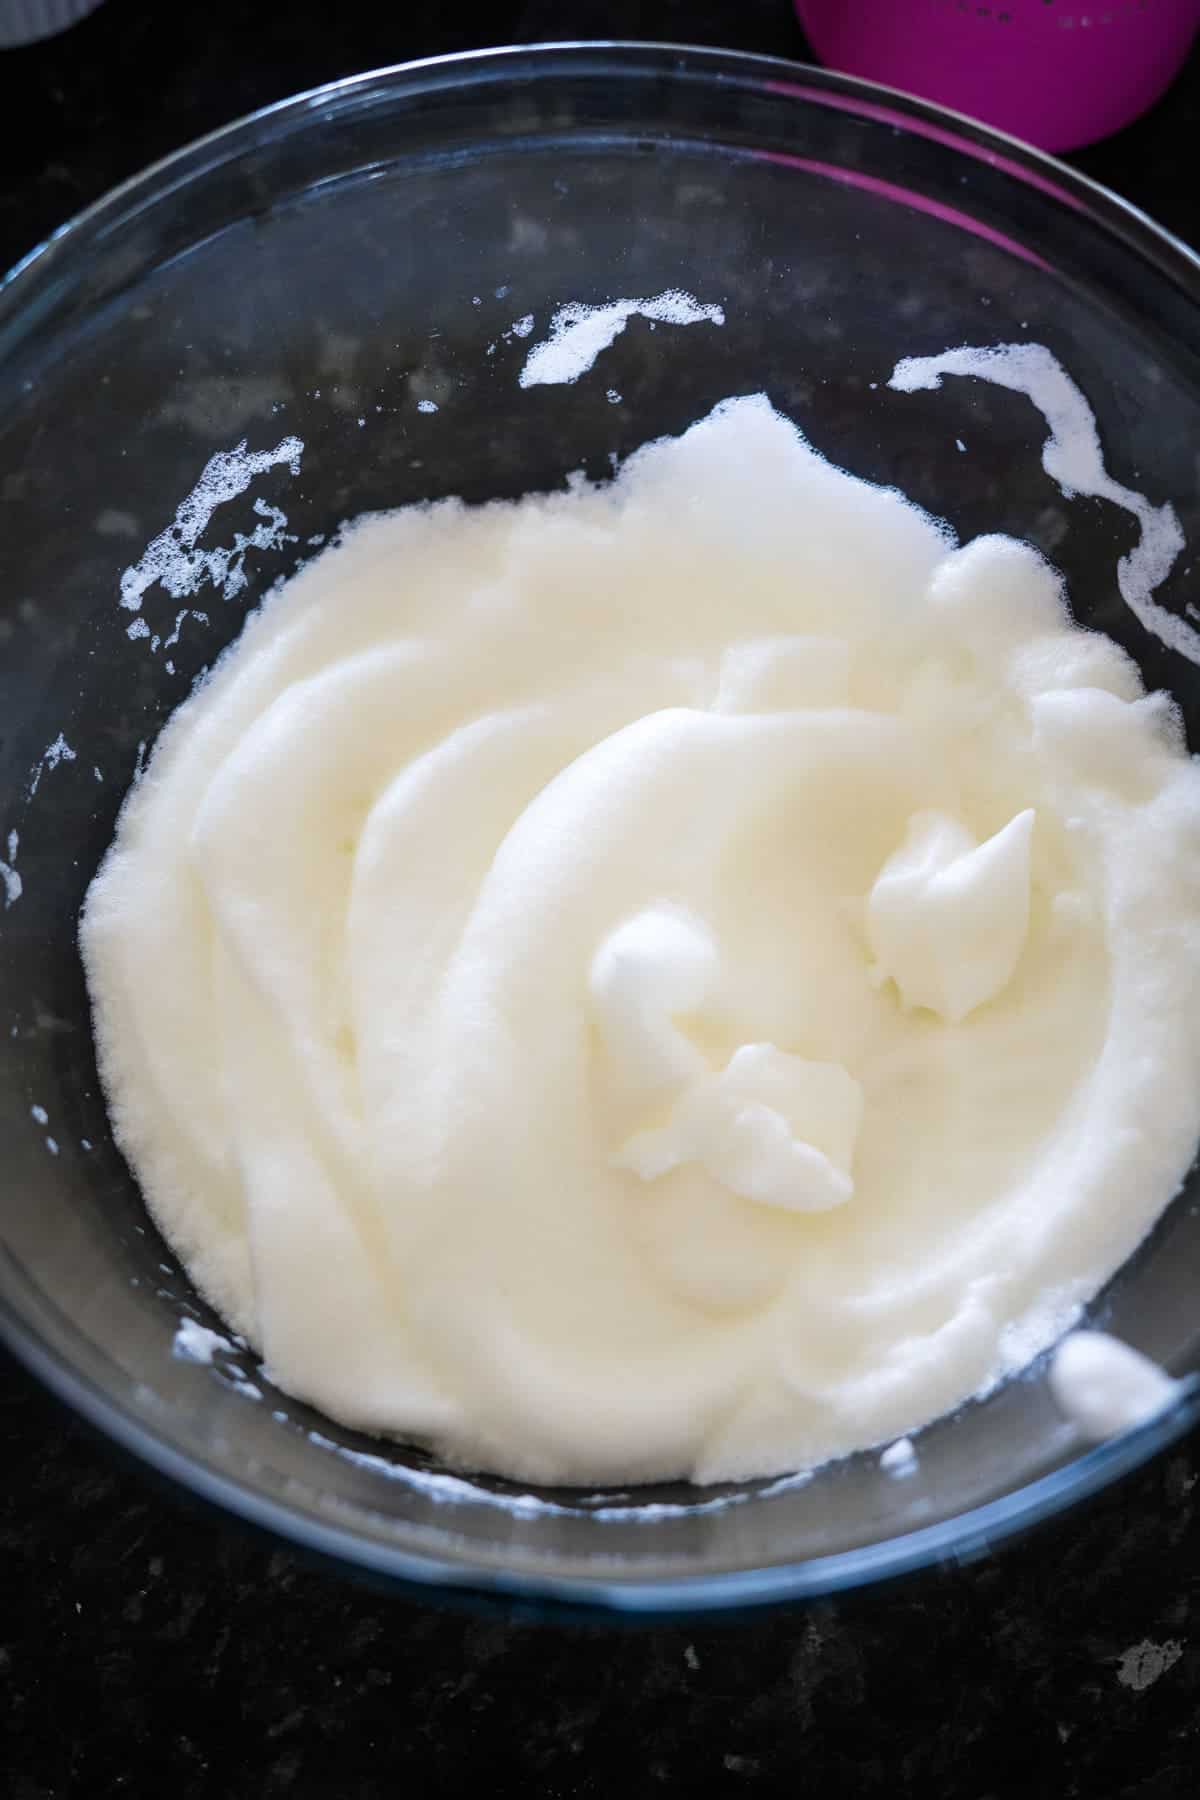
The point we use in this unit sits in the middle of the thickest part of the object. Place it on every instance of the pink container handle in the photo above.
(1058, 73)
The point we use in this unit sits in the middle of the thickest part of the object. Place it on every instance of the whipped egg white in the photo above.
(691, 977)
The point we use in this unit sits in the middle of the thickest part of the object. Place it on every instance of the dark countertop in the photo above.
(149, 1649)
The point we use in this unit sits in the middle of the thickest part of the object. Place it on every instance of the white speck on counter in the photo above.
(899, 1459)
(1141, 1665)
(1105, 1387)
(137, 628)
(1072, 457)
(52, 1146)
(959, 445)
(172, 558)
(578, 333)
(39, 1115)
(427, 406)
(613, 398)
(690, 1657)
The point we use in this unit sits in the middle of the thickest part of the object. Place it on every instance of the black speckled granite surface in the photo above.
(150, 1649)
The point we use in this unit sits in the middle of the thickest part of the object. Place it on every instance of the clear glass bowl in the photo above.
(320, 268)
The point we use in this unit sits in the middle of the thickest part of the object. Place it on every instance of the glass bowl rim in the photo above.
(968, 1535)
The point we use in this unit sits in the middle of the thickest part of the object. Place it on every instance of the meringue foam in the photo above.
(689, 977)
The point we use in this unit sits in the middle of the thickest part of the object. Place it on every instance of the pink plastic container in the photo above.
(1059, 73)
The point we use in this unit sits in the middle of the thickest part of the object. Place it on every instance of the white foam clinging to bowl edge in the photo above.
(1073, 458)
(578, 333)
(441, 1486)
(172, 557)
